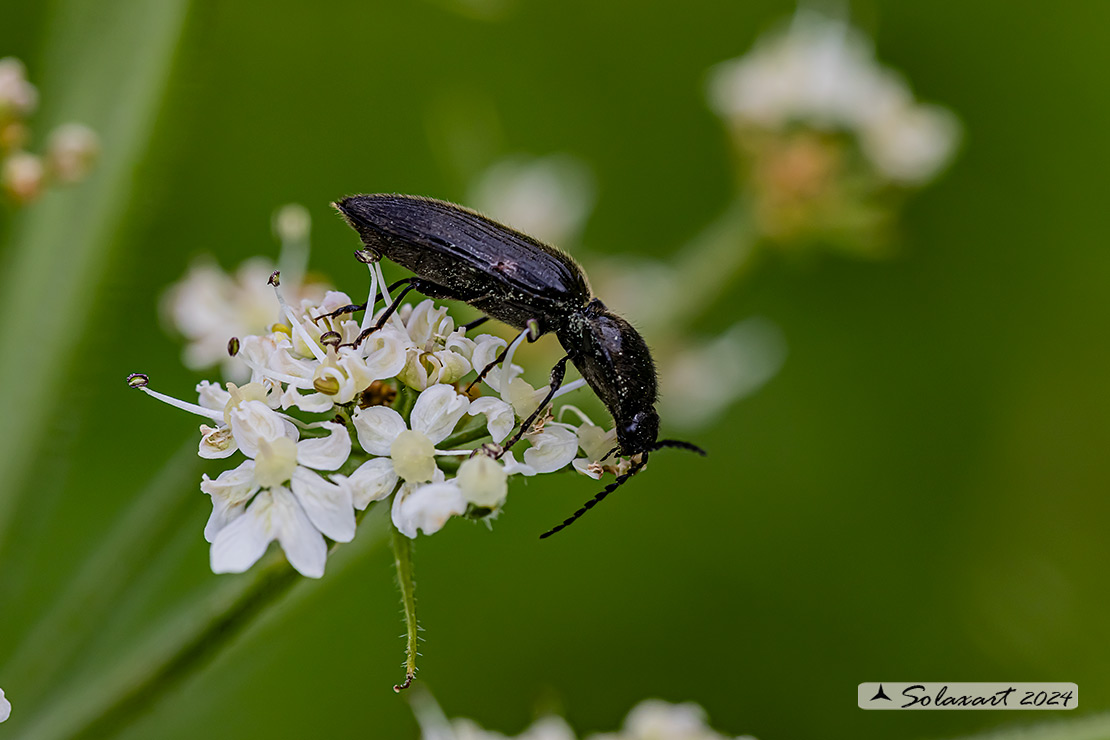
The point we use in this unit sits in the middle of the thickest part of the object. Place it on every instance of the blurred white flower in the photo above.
(701, 381)
(18, 97)
(22, 177)
(821, 73)
(71, 148)
(654, 719)
(208, 307)
(292, 223)
(5, 707)
(548, 197)
(71, 151)
(650, 720)
(911, 143)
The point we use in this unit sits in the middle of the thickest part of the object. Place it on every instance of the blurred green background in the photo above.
(920, 494)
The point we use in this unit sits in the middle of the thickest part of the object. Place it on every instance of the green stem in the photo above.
(406, 399)
(466, 436)
(102, 705)
(402, 557)
(724, 252)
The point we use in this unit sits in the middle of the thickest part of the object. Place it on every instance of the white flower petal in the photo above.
(377, 427)
(437, 411)
(551, 449)
(372, 481)
(595, 441)
(458, 343)
(230, 493)
(419, 321)
(512, 467)
(212, 396)
(241, 543)
(313, 403)
(452, 366)
(304, 546)
(253, 422)
(585, 466)
(216, 443)
(327, 505)
(524, 398)
(325, 453)
(427, 508)
(5, 707)
(500, 419)
(386, 352)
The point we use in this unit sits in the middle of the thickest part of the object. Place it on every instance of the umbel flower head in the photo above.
(325, 425)
(825, 130)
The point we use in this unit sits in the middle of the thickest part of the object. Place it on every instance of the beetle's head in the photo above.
(638, 434)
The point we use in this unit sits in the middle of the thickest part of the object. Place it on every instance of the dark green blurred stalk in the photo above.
(192, 637)
(106, 64)
(724, 253)
(106, 577)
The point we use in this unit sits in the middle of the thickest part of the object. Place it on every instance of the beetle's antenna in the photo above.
(620, 481)
(677, 443)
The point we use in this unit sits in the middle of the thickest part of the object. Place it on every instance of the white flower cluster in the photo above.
(548, 197)
(327, 425)
(208, 305)
(650, 720)
(820, 72)
(71, 148)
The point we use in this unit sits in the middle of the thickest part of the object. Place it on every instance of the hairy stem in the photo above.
(402, 557)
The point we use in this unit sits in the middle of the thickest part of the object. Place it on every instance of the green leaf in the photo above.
(106, 64)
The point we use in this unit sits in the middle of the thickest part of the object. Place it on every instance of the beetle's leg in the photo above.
(557, 374)
(350, 308)
(426, 287)
(474, 324)
(410, 284)
(497, 360)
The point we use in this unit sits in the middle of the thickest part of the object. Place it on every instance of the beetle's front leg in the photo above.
(557, 374)
(428, 288)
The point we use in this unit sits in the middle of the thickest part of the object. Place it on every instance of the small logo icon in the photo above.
(880, 694)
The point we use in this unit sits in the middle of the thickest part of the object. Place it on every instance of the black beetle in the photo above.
(458, 254)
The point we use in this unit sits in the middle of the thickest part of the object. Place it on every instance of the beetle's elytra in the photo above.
(458, 254)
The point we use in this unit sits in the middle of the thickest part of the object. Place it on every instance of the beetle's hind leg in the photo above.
(557, 374)
(474, 324)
